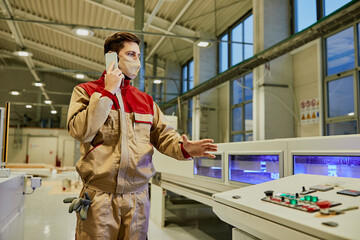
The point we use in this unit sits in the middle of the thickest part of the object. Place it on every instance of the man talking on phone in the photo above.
(118, 126)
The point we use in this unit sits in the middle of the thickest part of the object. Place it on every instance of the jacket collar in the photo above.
(125, 83)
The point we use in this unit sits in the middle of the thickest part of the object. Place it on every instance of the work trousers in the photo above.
(115, 216)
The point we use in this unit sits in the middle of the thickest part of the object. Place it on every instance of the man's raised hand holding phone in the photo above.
(113, 78)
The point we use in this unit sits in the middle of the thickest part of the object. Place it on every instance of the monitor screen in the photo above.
(328, 165)
(253, 169)
(208, 167)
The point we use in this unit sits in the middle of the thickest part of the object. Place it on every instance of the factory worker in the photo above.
(118, 126)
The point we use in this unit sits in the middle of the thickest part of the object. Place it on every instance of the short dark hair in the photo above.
(115, 42)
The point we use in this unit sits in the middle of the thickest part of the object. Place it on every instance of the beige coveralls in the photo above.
(116, 157)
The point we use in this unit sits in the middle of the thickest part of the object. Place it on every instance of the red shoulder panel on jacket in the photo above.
(134, 100)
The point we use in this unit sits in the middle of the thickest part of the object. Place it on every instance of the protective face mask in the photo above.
(130, 68)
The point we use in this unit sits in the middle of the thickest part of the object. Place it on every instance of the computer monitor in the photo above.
(338, 164)
(209, 167)
(255, 168)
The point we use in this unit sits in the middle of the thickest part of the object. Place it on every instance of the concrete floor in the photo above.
(47, 217)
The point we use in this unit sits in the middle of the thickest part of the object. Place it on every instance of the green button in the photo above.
(287, 195)
(293, 201)
(283, 195)
(292, 197)
(314, 199)
(307, 198)
(302, 199)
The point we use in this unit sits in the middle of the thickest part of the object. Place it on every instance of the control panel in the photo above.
(307, 203)
(301, 206)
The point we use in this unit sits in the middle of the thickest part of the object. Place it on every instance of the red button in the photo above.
(324, 204)
(311, 209)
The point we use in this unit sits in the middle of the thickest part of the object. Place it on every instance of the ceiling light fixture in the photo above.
(28, 106)
(203, 44)
(23, 53)
(82, 32)
(15, 92)
(80, 76)
(38, 84)
(157, 81)
(47, 101)
(53, 111)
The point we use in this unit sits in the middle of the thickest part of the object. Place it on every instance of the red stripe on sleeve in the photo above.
(184, 152)
(106, 93)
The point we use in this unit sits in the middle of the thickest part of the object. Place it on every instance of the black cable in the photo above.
(25, 193)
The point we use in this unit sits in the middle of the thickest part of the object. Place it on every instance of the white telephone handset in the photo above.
(109, 58)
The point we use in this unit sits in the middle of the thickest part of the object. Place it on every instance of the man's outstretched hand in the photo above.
(199, 148)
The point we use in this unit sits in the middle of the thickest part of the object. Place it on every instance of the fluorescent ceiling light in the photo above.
(38, 84)
(15, 92)
(47, 101)
(53, 111)
(157, 81)
(82, 32)
(80, 76)
(23, 53)
(28, 106)
(203, 44)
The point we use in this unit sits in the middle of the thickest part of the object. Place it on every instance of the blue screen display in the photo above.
(337, 166)
(208, 167)
(253, 169)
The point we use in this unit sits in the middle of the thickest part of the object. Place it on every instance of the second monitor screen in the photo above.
(253, 169)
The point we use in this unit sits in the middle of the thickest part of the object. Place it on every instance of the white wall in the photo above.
(18, 150)
(307, 82)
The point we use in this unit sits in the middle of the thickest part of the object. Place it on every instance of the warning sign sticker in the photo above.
(309, 111)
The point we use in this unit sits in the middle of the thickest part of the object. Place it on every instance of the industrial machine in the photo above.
(290, 208)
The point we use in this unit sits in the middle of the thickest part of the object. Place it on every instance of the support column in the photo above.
(38, 108)
(172, 71)
(152, 86)
(205, 106)
(139, 81)
(273, 104)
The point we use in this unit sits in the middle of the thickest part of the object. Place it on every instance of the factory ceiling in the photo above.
(45, 28)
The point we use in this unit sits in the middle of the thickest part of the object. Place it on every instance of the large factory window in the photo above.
(240, 45)
(308, 12)
(341, 83)
(304, 13)
(223, 54)
(331, 5)
(242, 109)
(187, 76)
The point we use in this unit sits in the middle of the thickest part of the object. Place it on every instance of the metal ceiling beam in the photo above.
(153, 14)
(72, 25)
(61, 54)
(187, 5)
(348, 14)
(46, 67)
(158, 23)
(39, 104)
(65, 30)
(19, 39)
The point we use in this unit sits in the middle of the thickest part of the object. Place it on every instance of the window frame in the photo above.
(228, 31)
(243, 132)
(355, 72)
(187, 64)
(320, 13)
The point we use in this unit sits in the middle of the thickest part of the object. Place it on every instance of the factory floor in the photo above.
(47, 217)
